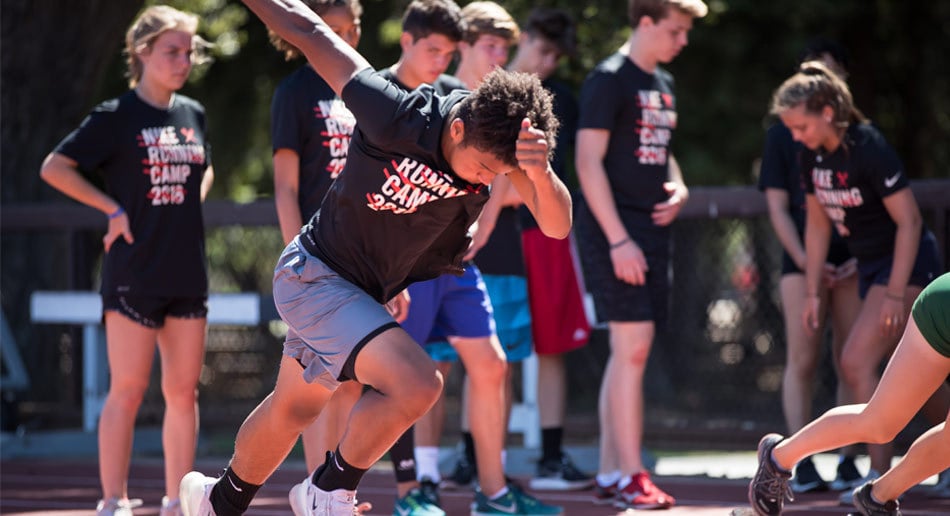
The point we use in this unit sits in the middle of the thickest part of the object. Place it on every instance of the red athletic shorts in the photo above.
(558, 321)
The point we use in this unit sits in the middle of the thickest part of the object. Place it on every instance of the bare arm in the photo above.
(61, 173)
(333, 59)
(784, 226)
(902, 207)
(206, 181)
(627, 258)
(817, 239)
(286, 188)
(483, 227)
(665, 213)
(589, 159)
(539, 187)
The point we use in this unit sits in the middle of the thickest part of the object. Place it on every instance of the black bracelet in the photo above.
(619, 244)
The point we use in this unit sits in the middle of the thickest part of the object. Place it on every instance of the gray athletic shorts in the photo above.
(329, 318)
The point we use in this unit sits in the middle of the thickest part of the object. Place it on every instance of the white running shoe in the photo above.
(117, 507)
(194, 494)
(170, 507)
(307, 499)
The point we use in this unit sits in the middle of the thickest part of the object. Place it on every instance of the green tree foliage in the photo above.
(737, 56)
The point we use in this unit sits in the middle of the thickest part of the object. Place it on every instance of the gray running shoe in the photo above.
(769, 487)
(868, 507)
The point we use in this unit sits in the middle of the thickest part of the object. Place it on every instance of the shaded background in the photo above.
(721, 367)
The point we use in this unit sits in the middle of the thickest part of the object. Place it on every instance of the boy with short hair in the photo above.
(633, 190)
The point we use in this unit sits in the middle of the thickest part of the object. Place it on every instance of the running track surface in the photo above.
(71, 488)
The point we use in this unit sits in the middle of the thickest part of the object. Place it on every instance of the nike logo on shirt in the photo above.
(889, 182)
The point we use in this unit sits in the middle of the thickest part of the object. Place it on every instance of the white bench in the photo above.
(85, 309)
(244, 309)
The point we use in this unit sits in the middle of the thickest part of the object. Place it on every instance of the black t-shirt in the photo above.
(152, 161)
(398, 213)
(501, 255)
(639, 110)
(781, 169)
(851, 183)
(308, 118)
(444, 85)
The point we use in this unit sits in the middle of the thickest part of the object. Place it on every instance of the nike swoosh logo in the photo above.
(236, 488)
(891, 181)
(403, 511)
(337, 464)
(503, 508)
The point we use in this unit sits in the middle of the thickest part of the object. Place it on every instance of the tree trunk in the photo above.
(54, 55)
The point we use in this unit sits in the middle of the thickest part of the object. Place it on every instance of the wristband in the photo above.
(619, 244)
(892, 296)
(116, 213)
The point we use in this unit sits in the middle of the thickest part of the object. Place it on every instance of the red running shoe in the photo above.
(641, 493)
(605, 495)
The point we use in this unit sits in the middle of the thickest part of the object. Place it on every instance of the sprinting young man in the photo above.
(633, 190)
(414, 181)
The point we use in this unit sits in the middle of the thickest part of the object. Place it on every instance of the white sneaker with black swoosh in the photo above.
(307, 499)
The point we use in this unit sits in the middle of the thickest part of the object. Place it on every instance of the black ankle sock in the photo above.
(336, 473)
(402, 454)
(469, 447)
(231, 496)
(551, 440)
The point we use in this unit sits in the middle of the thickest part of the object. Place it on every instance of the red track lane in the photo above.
(71, 488)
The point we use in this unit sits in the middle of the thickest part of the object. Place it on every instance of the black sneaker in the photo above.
(462, 476)
(848, 476)
(431, 490)
(807, 479)
(868, 507)
(560, 475)
(769, 487)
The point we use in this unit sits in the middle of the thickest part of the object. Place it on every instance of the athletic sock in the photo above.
(231, 496)
(337, 474)
(551, 440)
(427, 463)
(403, 458)
(609, 479)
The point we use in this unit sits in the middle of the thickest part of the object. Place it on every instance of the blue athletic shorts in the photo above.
(449, 306)
(509, 298)
(926, 267)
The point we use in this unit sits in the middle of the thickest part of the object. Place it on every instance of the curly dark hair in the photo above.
(492, 114)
